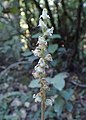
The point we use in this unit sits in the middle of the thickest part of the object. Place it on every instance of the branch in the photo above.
(77, 34)
(12, 66)
(78, 84)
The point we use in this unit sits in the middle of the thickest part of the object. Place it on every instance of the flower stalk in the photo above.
(39, 69)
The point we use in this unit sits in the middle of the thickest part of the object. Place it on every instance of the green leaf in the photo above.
(59, 104)
(9, 94)
(34, 84)
(58, 81)
(54, 36)
(10, 117)
(23, 98)
(62, 50)
(67, 94)
(69, 106)
(52, 48)
(4, 105)
(27, 53)
(36, 35)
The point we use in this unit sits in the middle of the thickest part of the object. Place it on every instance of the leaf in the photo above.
(54, 36)
(4, 105)
(27, 53)
(61, 50)
(36, 35)
(69, 106)
(59, 104)
(10, 117)
(58, 81)
(67, 94)
(9, 94)
(24, 98)
(32, 58)
(52, 48)
(34, 84)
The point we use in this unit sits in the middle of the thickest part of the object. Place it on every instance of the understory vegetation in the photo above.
(66, 71)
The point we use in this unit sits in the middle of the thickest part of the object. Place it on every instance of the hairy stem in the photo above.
(42, 109)
(43, 98)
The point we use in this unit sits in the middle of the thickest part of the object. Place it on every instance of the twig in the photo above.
(78, 84)
(12, 66)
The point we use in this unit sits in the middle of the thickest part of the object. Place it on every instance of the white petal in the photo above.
(34, 96)
(49, 57)
(49, 32)
(42, 24)
(49, 102)
(37, 98)
(44, 14)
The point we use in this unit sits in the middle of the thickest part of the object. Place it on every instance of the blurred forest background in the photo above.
(18, 37)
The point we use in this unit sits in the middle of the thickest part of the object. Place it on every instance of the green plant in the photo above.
(41, 52)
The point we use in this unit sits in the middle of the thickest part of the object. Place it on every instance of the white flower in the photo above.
(44, 14)
(42, 43)
(41, 40)
(49, 32)
(48, 57)
(36, 75)
(42, 24)
(43, 46)
(42, 62)
(37, 51)
(49, 102)
(39, 69)
(37, 98)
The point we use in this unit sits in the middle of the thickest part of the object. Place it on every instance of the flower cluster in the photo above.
(40, 51)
